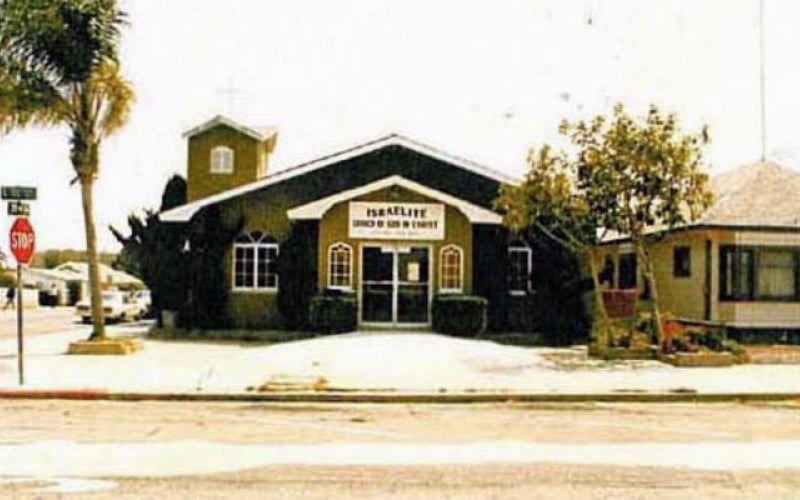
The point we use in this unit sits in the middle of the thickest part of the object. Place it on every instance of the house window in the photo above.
(681, 262)
(627, 271)
(759, 273)
(222, 160)
(519, 269)
(340, 265)
(451, 270)
(776, 274)
(606, 275)
(255, 263)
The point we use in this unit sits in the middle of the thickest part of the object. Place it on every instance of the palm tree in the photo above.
(59, 66)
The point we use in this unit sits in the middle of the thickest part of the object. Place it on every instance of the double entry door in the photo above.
(395, 284)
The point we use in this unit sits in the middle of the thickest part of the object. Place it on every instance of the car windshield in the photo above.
(112, 297)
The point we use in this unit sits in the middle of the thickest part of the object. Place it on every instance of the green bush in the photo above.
(711, 339)
(333, 313)
(462, 315)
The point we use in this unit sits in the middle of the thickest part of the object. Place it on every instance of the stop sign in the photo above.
(22, 240)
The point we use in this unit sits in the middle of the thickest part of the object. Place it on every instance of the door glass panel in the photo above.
(377, 285)
(412, 304)
(413, 266)
(376, 304)
(377, 265)
(381, 294)
(412, 287)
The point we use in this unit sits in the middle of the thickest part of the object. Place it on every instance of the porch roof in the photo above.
(317, 208)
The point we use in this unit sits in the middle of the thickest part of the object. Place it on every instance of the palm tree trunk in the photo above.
(99, 330)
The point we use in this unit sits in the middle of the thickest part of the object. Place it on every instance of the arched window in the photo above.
(451, 269)
(222, 160)
(519, 268)
(340, 266)
(255, 262)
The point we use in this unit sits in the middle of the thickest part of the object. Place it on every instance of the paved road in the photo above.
(44, 320)
(199, 450)
(39, 321)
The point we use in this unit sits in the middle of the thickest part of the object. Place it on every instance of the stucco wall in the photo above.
(256, 309)
(685, 297)
(682, 296)
(201, 182)
(334, 228)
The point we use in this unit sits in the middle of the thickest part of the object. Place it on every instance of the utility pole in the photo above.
(762, 96)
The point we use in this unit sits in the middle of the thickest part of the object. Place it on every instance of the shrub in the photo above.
(711, 339)
(330, 313)
(463, 315)
(734, 348)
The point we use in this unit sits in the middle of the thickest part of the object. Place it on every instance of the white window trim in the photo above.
(349, 266)
(220, 167)
(526, 249)
(442, 288)
(255, 288)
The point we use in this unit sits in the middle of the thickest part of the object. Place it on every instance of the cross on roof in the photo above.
(230, 92)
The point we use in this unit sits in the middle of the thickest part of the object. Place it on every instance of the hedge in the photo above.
(462, 315)
(333, 313)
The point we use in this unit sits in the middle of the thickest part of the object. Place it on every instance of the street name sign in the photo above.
(17, 192)
(22, 240)
(19, 208)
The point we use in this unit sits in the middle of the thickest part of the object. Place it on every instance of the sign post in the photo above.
(22, 242)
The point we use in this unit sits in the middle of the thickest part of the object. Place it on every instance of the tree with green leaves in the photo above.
(154, 252)
(632, 177)
(549, 202)
(59, 66)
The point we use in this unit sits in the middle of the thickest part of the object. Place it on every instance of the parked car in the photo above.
(117, 306)
(144, 302)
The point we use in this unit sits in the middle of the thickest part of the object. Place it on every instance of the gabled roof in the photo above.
(80, 271)
(185, 212)
(257, 133)
(316, 209)
(762, 194)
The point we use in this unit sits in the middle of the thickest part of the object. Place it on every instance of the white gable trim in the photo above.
(185, 212)
(221, 120)
(318, 208)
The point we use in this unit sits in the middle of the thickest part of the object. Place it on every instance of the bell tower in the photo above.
(223, 154)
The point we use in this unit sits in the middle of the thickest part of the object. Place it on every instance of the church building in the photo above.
(393, 221)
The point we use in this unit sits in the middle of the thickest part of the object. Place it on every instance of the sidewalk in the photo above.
(369, 363)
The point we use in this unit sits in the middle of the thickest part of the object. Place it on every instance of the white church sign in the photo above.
(396, 221)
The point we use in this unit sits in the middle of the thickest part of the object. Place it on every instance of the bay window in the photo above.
(759, 273)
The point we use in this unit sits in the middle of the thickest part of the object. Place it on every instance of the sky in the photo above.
(485, 80)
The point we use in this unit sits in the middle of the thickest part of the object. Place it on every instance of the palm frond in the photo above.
(28, 96)
(111, 98)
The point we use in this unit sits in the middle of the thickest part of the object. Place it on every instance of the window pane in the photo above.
(339, 266)
(261, 267)
(627, 271)
(776, 275)
(451, 269)
(243, 267)
(681, 263)
(743, 268)
(518, 269)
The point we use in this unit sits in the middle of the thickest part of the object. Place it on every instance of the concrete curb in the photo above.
(397, 398)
